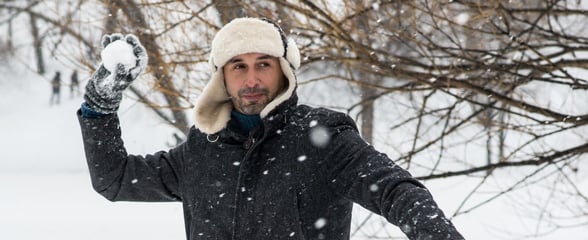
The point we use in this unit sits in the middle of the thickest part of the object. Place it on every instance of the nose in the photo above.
(251, 79)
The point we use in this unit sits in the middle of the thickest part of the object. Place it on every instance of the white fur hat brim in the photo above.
(243, 35)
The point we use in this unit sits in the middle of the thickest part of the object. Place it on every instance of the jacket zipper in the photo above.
(249, 145)
(249, 142)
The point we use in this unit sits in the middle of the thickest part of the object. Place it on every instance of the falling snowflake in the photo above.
(320, 223)
(319, 136)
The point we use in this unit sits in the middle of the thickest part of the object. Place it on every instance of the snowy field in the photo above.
(46, 192)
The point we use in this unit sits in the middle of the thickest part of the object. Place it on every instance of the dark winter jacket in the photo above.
(278, 183)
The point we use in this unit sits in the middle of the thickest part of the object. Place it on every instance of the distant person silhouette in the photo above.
(74, 85)
(55, 89)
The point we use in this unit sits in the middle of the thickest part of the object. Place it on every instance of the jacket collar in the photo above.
(270, 124)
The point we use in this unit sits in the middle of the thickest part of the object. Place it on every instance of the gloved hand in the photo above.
(104, 89)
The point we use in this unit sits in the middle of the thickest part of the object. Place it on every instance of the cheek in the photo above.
(230, 85)
(232, 89)
(275, 80)
(282, 83)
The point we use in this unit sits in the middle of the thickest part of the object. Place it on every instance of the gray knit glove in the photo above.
(104, 89)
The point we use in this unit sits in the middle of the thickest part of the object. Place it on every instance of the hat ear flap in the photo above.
(293, 54)
(213, 67)
(213, 108)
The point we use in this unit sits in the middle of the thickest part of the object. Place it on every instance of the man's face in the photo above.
(253, 80)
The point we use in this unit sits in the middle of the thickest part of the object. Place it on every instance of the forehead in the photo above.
(250, 57)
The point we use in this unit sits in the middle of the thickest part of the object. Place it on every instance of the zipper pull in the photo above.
(249, 142)
(251, 138)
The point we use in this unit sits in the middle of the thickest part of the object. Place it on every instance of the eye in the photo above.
(239, 66)
(263, 64)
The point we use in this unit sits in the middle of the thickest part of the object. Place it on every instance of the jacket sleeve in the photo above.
(119, 176)
(369, 178)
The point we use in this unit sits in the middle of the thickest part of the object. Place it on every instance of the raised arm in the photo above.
(115, 174)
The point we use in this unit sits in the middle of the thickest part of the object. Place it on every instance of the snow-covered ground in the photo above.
(46, 192)
(45, 188)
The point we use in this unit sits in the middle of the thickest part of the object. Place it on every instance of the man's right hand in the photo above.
(104, 89)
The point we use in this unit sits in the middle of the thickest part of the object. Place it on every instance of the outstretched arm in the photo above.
(371, 179)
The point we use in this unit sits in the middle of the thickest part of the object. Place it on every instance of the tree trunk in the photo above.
(367, 92)
(37, 45)
(9, 44)
(228, 10)
(112, 24)
(367, 110)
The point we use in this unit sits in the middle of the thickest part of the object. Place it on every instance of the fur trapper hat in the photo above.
(243, 35)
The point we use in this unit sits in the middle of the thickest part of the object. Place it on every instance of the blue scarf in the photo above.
(245, 121)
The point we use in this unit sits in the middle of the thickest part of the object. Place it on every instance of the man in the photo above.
(249, 168)
(55, 89)
(74, 84)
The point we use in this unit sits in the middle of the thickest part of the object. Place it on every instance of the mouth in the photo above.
(252, 98)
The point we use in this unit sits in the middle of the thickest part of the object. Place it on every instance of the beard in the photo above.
(251, 107)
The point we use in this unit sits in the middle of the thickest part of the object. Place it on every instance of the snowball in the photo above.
(118, 52)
